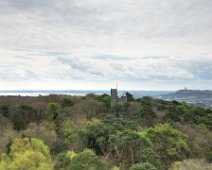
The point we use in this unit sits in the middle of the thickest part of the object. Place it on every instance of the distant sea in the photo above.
(136, 94)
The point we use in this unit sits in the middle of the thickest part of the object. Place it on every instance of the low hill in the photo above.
(201, 98)
(192, 93)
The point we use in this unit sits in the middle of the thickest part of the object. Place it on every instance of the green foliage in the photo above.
(146, 133)
(209, 154)
(199, 138)
(88, 107)
(67, 127)
(61, 162)
(67, 102)
(7, 134)
(119, 124)
(170, 143)
(53, 110)
(146, 100)
(107, 101)
(143, 166)
(87, 160)
(188, 114)
(120, 109)
(149, 155)
(27, 154)
(4, 161)
(20, 145)
(96, 136)
(130, 97)
(46, 131)
(69, 134)
(115, 168)
(22, 115)
(191, 164)
(64, 160)
(30, 160)
(147, 114)
(127, 147)
(4, 110)
(70, 154)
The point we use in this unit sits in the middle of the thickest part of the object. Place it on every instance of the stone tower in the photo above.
(114, 97)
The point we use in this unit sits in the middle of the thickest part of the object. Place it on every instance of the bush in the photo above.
(170, 143)
(67, 102)
(87, 160)
(53, 110)
(149, 155)
(143, 166)
(127, 147)
(27, 154)
(45, 131)
(7, 134)
(22, 115)
(20, 145)
(191, 164)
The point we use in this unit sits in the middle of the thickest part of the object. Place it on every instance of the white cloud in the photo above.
(100, 41)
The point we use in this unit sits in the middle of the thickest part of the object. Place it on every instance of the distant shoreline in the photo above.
(136, 93)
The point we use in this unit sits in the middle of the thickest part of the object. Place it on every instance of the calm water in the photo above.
(136, 94)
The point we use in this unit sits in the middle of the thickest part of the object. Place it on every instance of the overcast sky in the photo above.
(91, 44)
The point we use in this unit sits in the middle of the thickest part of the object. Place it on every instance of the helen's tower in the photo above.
(114, 97)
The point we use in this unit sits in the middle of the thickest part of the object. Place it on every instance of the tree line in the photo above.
(59, 132)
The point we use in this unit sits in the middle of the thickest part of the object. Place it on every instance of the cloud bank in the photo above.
(87, 44)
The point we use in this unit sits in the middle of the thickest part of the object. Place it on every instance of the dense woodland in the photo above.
(59, 132)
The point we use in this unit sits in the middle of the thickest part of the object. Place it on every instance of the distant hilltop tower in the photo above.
(117, 100)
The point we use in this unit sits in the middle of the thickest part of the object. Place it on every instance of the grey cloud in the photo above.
(86, 67)
(201, 69)
(110, 57)
(131, 40)
(157, 18)
(56, 53)
(140, 69)
(17, 75)
(122, 22)
(75, 63)
(29, 4)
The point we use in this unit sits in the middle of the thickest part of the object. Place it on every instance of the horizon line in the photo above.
(81, 90)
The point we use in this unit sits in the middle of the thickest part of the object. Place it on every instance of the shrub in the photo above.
(143, 166)
(191, 164)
